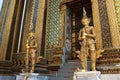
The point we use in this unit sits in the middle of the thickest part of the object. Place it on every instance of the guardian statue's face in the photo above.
(31, 34)
(85, 21)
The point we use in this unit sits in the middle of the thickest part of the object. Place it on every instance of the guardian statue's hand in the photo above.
(84, 34)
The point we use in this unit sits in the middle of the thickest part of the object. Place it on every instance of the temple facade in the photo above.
(56, 24)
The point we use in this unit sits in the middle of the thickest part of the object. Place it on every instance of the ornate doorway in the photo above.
(76, 14)
(73, 11)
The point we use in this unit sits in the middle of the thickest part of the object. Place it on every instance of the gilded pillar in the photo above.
(3, 11)
(29, 12)
(110, 38)
(7, 30)
(46, 35)
(34, 16)
(114, 29)
(105, 26)
(18, 15)
(117, 12)
(96, 22)
(62, 21)
(40, 21)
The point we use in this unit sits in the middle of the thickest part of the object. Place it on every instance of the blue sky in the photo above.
(1, 1)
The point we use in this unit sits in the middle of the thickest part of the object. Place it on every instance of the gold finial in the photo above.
(84, 14)
(31, 27)
(85, 18)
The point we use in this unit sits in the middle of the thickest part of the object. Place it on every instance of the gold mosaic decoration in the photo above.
(53, 27)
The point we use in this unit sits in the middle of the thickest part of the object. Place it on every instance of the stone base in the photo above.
(32, 76)
(90, 75)
(3, 77)
(110, 77)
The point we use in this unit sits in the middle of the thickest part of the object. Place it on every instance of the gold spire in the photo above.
(85, 18)
(84, 14)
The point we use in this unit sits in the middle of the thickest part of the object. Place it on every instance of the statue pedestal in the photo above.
(90, 75)
(31, 76)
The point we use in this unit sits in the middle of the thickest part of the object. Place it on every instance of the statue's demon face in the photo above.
(85, 21)
(31, 35)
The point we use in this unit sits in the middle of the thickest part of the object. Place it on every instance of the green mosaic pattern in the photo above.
(117, 7)
(53, 28)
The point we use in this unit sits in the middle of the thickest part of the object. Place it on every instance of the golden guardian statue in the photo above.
(87, 41)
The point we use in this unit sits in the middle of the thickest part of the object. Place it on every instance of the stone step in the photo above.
(67, 71)
(111, 57)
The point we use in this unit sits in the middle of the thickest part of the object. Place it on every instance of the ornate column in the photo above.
(6, 29)
(62, 21)
(6, 36)
(109, 62)
(105, 27)
(39, 22)
(37, 19)
(117, 12)
(114, 29)
(3, 11)
(34, 15)
(96, 22)
(29, 11)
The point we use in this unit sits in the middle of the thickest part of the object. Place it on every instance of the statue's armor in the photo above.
(32, 42)
(90, 42)
(32, 51)
(88, 46)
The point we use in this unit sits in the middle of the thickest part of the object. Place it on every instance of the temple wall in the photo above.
(105, 18)
(53, 24)
(106, 22)
(55, 29)
(10, 24)
(108, 12)
(108, 28)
